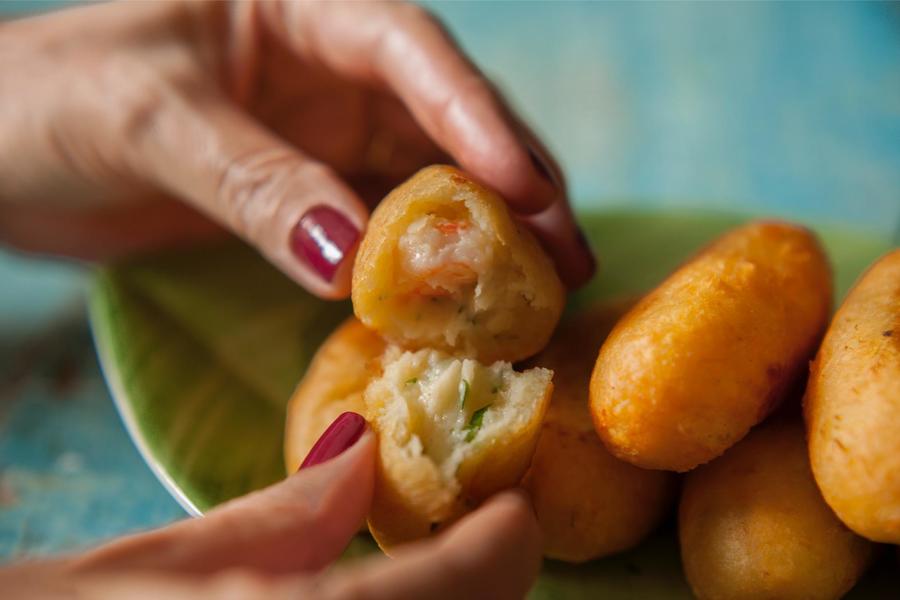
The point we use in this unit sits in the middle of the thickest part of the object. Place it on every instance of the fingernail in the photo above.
(323, 238)
(542, 166)
(586, 246)
(339, 436)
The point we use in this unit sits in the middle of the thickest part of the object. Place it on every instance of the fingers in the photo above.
(563, 239)
(296, 211)
(103, 234)
(403, 48)
(300, 524)
(495, 552)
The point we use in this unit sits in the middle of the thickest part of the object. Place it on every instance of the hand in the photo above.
(276, 543)
(274, 119)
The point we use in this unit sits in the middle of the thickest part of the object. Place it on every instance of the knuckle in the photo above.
(135, 96)
(252, 188)
(468, 92)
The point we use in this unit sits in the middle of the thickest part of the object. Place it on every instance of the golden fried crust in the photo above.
(411, 500)
(711, 351)
(752, 524)
(589, 504)
(510, 332)
(334, 383)
(852, 406)
(505, 462)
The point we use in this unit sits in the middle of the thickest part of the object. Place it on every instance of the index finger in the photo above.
(403, 48)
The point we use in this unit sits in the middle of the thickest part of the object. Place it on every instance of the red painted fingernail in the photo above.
(323, 238)
(586, 246)
(542, 166)
(339, 436)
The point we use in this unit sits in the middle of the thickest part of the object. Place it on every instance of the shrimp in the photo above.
(441, 256)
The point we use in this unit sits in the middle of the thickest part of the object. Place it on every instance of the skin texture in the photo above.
(334, 383)
(752, 524)
(412, 500)
(710, 352)
(852, 406)
(589, 504)
(277, 542)
(163, 122)
(382, 301)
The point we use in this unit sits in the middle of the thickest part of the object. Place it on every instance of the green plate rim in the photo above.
(108, 367)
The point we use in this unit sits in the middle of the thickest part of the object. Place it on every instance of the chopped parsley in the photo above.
(412, 380)
(475, 423)
(463, 393)
(495, 389)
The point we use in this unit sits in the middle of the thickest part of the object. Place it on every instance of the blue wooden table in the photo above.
(784, 109)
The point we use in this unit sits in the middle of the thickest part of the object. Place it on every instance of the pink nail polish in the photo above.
(339, 436)
(323, 238)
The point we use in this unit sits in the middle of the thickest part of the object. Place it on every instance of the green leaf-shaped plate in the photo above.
(202, 349)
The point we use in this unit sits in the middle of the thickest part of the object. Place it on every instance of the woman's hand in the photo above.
(277, 543)
(274, 119)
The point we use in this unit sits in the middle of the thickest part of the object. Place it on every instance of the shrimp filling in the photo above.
(443, 257)
(446, 266)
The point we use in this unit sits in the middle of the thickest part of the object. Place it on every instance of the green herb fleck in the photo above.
(463, 393)
(475, 423)
(495, 389)
(412, 380)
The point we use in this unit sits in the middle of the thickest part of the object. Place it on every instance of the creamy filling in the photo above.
(449, 404)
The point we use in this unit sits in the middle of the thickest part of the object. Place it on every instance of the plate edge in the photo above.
(116, 387)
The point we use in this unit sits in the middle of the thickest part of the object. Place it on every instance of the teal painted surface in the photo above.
(69, 475)
(787, 109)
(791, 108)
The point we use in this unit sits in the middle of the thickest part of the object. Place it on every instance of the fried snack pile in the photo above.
(449, 292)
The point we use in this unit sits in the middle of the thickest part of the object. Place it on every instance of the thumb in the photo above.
(205, 149)
(300, 524)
